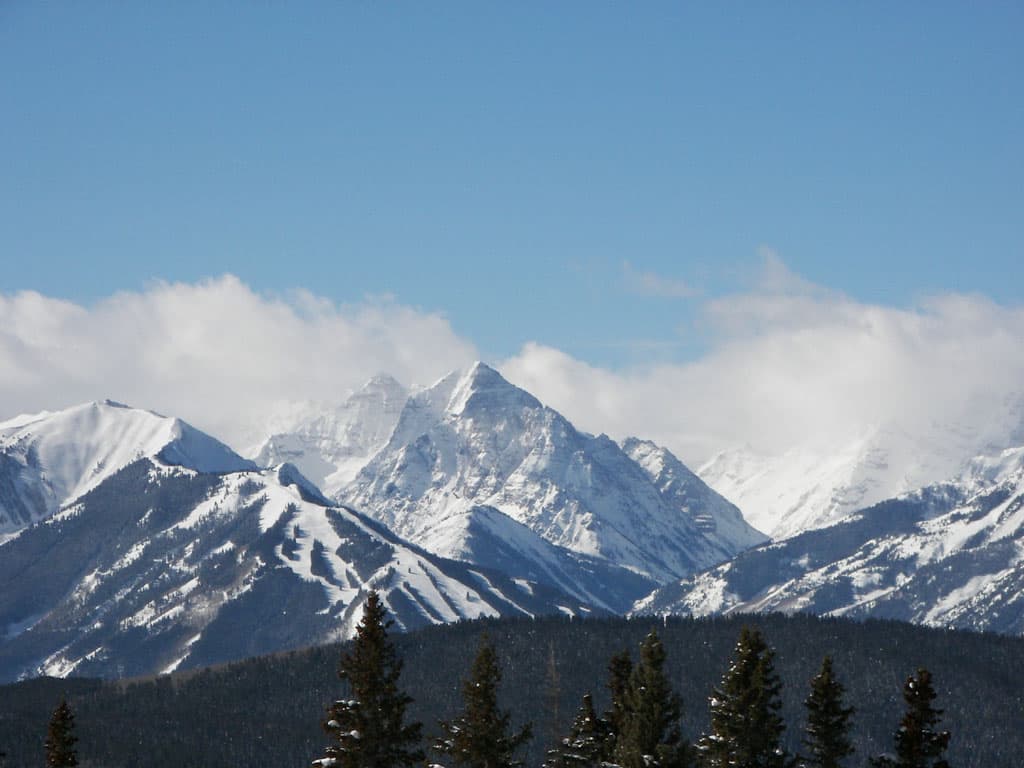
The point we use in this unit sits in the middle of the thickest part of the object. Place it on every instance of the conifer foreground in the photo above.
(368, 729)
(827, 735)
(480, 737)
(919, 743)
(61, 739)
(746, 727)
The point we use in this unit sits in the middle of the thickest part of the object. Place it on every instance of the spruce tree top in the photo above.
(620, 669)
(650, 734)
(586, 743)
(746, 727)
(919, 743)
(61, 739)
(368, 728)
(827, 735)
(479, 737)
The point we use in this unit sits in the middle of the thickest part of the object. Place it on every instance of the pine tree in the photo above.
(479, 737)
(650, 734)
(61, 739)
(827, 736)
(620, 668)
(918, 743)
(368, 729)
(746, 728)
(586, 743)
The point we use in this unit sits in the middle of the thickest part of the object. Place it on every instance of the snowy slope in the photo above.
(161, 567)
(719, 520)
(49, 458)
(330, 445)
(474, 440)
(951, 554)
(486, 536)
(813, 486)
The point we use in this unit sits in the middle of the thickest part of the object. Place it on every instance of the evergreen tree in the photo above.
(650, 734)
(479, 737)
(746, 728)
(368, 729)
(620, 669)
(61, 739)
(918, 743)
(587, 741)
(827, 736)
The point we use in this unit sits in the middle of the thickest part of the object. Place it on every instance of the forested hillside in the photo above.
(268, 710)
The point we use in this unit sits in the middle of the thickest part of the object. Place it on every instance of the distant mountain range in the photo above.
(948, 555)
(814, 486)
(137, 544)
(133, 543)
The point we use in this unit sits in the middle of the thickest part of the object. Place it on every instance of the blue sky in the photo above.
(710, 224)
(540, 172)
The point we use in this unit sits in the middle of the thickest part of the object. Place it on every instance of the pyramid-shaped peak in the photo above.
(483, 387)
(383, 382)
(484, 374)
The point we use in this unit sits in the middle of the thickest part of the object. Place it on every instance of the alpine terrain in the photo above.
(48, 458)
(813, 485)
(161, 565)
(948, 555)
(476, 469)
(331, 444)
(475, 441)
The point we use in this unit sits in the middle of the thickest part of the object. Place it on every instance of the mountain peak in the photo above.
(482, 387)
(54, 457)
(383, 382)
(330, 444)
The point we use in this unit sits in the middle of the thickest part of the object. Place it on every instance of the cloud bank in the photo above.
(215, 353)
(789, 363)
(792, 365)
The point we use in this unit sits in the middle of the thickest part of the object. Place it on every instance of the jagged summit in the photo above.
(474, 438)
(716, 517)
(482, 388)
(382, 381)
(329, 445)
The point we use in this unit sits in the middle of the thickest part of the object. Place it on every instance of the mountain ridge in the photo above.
(950, 554)
(49, 458)
(161, 567)
(474, 437)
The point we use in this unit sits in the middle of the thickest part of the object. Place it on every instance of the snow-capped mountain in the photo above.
(475, 440)
(813, 486)
(950, 554)
(483, 535)
(47, 459)
(160, 567)
(718, 519)
(330, 445)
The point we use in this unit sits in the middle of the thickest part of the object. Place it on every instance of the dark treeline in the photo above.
(269, 710)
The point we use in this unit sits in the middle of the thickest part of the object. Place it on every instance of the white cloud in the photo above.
(792, 363)
(647, 283)
(215, 353)
(788, 362)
